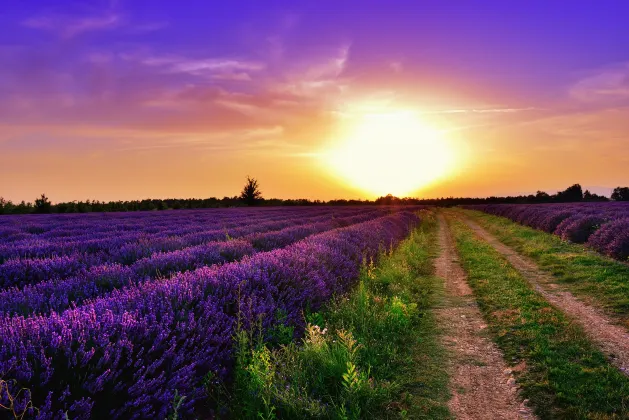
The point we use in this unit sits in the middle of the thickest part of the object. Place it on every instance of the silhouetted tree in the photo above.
(571, 194)
(251, 193)
(387, 199)
(542, 197)
(588, 196)
(620, 194)
(42, 204)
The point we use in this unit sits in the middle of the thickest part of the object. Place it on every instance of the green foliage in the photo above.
(565, 375)
(315, 318)
(281, 333)
(361, 357)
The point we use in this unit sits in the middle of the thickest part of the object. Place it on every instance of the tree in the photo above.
(587, 195)
(42, 204)
(542, 197)
(620, 194)
(251, 193)
(570, 194)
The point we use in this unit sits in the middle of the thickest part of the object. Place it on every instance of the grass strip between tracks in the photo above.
(560, 370)
(584, 272)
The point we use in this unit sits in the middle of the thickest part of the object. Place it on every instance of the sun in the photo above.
(391, 152)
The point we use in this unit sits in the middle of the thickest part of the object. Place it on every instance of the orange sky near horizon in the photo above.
(140, 107)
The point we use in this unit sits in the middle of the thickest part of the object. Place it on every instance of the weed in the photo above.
(17, 404)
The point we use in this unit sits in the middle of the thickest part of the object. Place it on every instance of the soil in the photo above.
(482, 385)
(611, 338)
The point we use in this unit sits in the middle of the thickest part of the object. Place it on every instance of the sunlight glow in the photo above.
(389, 152)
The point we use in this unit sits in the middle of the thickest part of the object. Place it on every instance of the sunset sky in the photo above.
(132, 99)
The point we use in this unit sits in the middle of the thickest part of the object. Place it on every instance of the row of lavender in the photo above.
(26, 266)
(94, 235)
(127, 354)
(43, 227)
(59, 225)
(602, 226)
(56, 292)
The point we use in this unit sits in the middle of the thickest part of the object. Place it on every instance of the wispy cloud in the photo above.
(329, 67)
(147, 27)
(233, 76)
(482, 111)
(69, 27)
(210, 66)
(396, 66)
(215, 68)
(607, 84)
(317, 77)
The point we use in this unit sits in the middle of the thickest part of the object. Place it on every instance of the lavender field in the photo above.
(602, 226)
(115, 315)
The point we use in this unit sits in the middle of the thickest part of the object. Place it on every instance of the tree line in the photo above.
(252, 196)
(571, 194)
(43, 205)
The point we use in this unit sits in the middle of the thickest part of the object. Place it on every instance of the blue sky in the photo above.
(127, 99)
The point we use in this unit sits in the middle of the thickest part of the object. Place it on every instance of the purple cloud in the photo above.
(69, 26)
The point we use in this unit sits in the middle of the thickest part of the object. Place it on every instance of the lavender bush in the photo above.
(602, 226)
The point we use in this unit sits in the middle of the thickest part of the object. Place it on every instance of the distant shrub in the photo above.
(611, 239)
(619, 246)
(579, 228)
(553, 219)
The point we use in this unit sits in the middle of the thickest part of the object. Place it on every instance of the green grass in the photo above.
(582, 271)
(372, 354)
(565, 376)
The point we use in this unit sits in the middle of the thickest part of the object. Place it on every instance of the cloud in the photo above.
(609, 84)
(205, 67)
(254, 138)
(319, 76)
(329, 67)
(69, 27)
(210, 67)
(149, 97)
(600, 127)
(148, 27)
(233, 76)
(482, 111)
(396, 66)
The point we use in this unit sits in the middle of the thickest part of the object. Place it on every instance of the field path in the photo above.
(612, 339)
(481, 384)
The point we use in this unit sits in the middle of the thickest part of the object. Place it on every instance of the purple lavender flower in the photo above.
(603, 226)
(124, 354)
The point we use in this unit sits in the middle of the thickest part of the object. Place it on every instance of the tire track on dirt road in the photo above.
(611, 338)
(481, 384)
